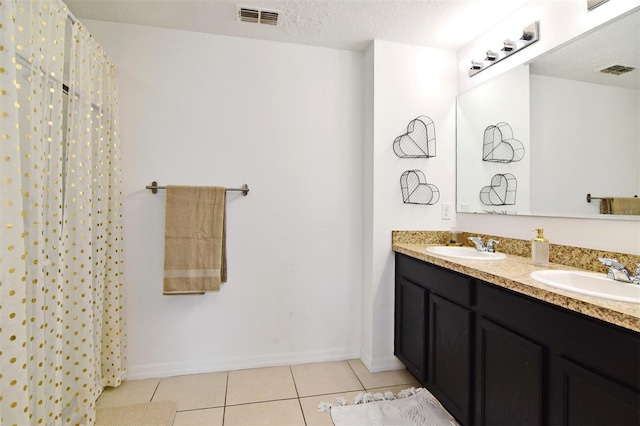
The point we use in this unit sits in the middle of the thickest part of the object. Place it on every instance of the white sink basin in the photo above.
(468, 253)
(590, 284)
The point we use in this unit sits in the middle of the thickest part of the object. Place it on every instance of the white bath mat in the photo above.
(411, 407)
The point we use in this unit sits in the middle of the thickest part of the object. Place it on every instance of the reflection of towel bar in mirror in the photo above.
(154, 188)
(618, 205)
(589, 198)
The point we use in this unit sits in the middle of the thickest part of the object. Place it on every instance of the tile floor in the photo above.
(262, 396)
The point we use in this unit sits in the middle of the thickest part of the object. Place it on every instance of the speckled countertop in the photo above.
(513, 274)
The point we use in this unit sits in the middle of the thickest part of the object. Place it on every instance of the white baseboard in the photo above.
(381, 364)
(149, 371)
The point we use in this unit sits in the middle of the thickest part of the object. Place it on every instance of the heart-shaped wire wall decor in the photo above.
(500, 146)
(416, 190)
(501, 192)
(419, 141)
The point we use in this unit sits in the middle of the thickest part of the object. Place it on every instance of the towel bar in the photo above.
(154, 188)
(589, 198)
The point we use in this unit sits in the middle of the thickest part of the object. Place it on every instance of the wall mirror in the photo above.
(537, 139)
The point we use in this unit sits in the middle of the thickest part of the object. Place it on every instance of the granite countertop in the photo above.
(513, 273)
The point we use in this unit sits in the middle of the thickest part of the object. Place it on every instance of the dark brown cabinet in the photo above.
(437, 303)
(411, 327)
(450, 327)
(509, 386)
(493, 356)
(579, 396)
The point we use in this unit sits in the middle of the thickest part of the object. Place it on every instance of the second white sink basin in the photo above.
(468, 253)
(590, 284)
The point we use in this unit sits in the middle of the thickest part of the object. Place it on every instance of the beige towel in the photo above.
(194, 248)
(625, 205)
(605, 205)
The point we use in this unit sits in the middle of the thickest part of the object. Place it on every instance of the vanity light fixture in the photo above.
(491, 55)
(530, 35)
(509, 45)
(476, 65)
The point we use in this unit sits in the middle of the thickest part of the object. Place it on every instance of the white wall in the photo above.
(287, 120)
(592, 151)
(310, 261)
(406, 82)
(560, 21)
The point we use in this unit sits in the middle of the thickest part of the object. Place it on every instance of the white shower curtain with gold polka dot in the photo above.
(61, 307)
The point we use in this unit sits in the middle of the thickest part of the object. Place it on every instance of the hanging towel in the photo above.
(605, 206)
(194, 246)
(625, 205)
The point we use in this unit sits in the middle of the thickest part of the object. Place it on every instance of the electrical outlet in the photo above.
(445, 212)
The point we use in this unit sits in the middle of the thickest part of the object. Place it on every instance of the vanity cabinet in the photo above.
(451, 328)
(439, 321)
(509, 385)
(494, 356)
(411, 327)
(591, 369)
(580, 396)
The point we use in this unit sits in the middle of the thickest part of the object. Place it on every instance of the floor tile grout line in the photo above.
(357, 390)
(295, 386)
(199, 409)
(262, 402)
(224, 406)
(304, 418)
(409, 385)
(293, 377)
(333, 393)
(155, 390)
(356, 374)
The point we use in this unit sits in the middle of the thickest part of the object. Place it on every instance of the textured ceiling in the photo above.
(342, 24)
(617, 43)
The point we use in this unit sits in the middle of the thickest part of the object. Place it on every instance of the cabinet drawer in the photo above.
(447, 283)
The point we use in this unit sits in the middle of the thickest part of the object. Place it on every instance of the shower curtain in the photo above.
(61, 307)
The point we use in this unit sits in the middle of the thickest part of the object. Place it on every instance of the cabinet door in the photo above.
(509, 380)
(581, 397)
(450, 356)
(411, 327)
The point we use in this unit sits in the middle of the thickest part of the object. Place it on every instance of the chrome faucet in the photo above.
(618, 272)
(480, 246)
(491, 245)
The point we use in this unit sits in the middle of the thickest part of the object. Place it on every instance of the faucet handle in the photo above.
(610, 263)
(617, 271)
(636, 278)
(478, 243)
(491, 245)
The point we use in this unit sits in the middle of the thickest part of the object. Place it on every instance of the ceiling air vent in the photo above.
(617, 70)
(257, 16)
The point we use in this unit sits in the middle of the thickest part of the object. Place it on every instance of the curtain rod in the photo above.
(71, 16)
(154, 188)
